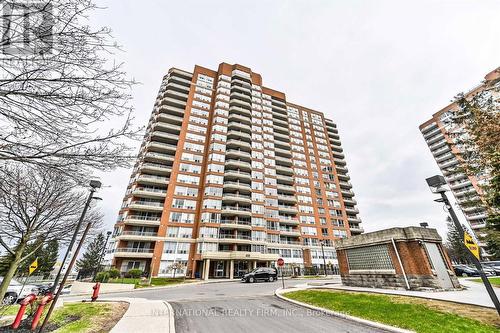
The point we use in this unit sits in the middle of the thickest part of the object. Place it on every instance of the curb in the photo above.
(396, 294)
(171, 318)
(278, 293)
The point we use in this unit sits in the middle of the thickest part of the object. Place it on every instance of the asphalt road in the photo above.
(243, 307)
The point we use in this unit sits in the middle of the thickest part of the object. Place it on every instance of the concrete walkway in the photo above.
(145, 316)
(474, 294)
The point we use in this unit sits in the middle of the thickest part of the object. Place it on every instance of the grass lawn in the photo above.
(155, 282)
(78, 317)
(495, 281)
(420, 315)
(9, 310)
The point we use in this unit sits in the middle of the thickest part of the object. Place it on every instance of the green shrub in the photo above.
(135, 273)
(102, 277)
(113, 273)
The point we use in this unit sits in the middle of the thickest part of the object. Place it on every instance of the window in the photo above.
(187, 191)
(187, 179)
(374, 257)
(181, 217)
(212, 204)
(184, 204)
(189, 168)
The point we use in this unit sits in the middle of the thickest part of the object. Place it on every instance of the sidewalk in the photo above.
(144, 316)
(475, 294)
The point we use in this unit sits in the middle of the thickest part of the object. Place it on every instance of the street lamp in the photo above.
(321, 242)
(102, 254)
(94, 185)
(437, 185)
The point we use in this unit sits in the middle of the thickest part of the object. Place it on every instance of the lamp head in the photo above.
(424, 224)
(95, 184)
(436, 184)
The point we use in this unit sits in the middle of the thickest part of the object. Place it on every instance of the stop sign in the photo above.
(280, 262)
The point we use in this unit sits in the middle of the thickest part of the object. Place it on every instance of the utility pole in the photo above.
(94, 184)
(436, 184)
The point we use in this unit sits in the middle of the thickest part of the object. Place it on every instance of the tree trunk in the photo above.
(12, 269)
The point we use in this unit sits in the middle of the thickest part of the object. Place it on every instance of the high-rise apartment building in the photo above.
(232, 176)
(441, 134)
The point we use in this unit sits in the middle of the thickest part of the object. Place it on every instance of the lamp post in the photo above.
(321, 242)
(98, 268)
(436, 184)
(94, 185)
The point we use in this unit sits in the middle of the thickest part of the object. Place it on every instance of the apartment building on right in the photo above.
(439, 136)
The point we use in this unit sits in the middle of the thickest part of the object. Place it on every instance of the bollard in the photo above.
(96, 288)
(24, 303)
(44, 301)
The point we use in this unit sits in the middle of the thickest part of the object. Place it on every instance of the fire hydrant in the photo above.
(44, 301)
(96, 288)
(24, 303)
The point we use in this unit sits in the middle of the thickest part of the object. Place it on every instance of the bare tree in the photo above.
(59, 90)
(36, 203)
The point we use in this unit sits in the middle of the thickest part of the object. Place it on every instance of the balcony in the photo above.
(149, 192)
(356, 229)
(343, 176)
(352, 210)
(460, 185)
(236, 210)
(162, 136)
(161, 147)
(142, 220)
(152, 179)
(154, 167)
(241, 96)
(168, 118)
(288, 220)
(137, 235)
(151, 156)
(167, 128)
(431, 140)
(235, 224)
(238, 153)
(244, 239)
(238, 126)
(284, 161)
(240, 119)
(287, 198)
(240, 103)
(354, 219)
(285, 145)
(237, 186)
(285, 179)
(146, 206)
(345, 185)
(347, 193)
(238, 143)
(172, 110)
(235, 197)
(287, 209)
(130, 252)
(237, 163)
(285, 152)
(351, 201)
(339, 161)
(286, 188)
(289, 232)
(239, 135)
(175, 103)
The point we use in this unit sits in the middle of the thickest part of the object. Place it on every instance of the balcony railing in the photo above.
(139, 233)
(134, 250)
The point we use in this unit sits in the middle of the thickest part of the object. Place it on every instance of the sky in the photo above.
(377, 68)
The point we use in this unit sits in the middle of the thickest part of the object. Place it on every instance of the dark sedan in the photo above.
(463, 270)
(261, 274)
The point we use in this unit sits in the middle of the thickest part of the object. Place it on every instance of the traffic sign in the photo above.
(33, 266)
(280, 262)
(471, 244)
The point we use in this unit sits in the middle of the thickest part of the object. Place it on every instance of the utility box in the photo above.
(410, 258)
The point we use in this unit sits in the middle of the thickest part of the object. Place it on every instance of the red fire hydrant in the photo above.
(44, 301)
(24, 303)
(95, 294)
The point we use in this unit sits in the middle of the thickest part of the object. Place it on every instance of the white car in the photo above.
(16, 291)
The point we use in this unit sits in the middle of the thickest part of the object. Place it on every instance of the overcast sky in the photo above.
(377, 68)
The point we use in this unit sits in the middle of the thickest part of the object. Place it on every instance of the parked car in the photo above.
(261, 274)
(16, 291)
(488, 270)
(464, 270)
(494, 265)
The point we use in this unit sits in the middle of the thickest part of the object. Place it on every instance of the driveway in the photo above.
(242, 307)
